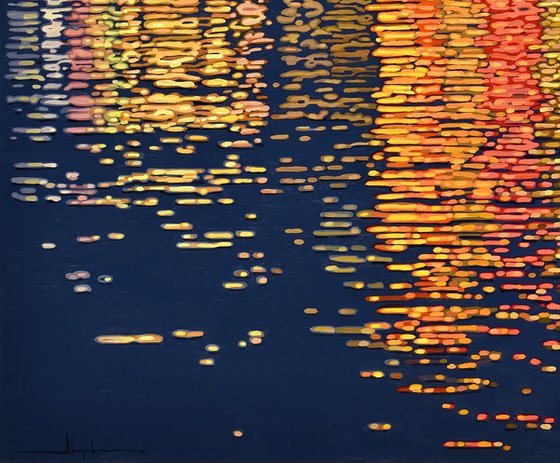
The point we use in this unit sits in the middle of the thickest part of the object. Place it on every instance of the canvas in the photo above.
(279, 231)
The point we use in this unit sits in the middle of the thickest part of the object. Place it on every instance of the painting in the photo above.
(279, 231)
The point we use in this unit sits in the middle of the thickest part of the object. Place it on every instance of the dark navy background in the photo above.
(298, 397)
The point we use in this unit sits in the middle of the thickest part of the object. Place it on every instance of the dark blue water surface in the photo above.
(298, 397)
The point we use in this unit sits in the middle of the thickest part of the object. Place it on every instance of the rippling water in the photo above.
(280, 231)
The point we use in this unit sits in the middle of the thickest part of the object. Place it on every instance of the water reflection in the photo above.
(426, 130)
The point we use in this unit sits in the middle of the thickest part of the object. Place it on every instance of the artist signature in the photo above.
(71, 449)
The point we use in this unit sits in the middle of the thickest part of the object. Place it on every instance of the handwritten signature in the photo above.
(71, 449)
